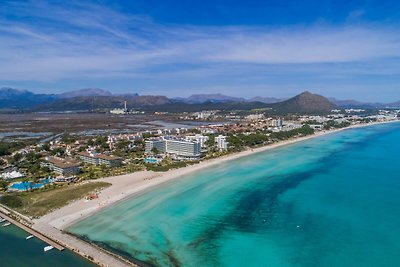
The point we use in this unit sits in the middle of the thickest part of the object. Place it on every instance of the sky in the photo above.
(342, 49)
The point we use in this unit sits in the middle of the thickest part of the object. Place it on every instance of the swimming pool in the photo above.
(24, 186)
(151, 160)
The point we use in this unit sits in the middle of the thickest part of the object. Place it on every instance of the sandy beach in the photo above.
(128, 185)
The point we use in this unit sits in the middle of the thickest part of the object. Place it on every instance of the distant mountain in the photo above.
(390, 105)
(267, 100)
(347, 102)
(363, 105)
(305, 103)
(85, 92)
(11, 98)
(129, 95)
(103, 102)
(213, 98)
(179, 106)
(218, 98)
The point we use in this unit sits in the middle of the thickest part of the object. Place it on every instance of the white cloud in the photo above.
(81, 41)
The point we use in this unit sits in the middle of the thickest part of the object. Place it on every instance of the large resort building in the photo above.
(179, 149)
(198, 138)
(221, 142)
(100, 159)
(61, 166)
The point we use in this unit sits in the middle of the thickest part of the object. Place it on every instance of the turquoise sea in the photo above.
(332, 201)
(16, 251)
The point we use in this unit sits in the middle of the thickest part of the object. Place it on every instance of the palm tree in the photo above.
(25, 182)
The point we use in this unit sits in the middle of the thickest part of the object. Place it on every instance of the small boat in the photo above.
(6, 224)
(48, 248)
(2, 220)
(29, 237)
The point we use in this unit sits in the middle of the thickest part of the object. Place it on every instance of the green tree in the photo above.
(211, 140)
(90, 142)
(16, 158)
(3, 185)
(59, 151)
(123, 144)
(32, 157)
(66, 138)
(46, 146)
(4, 149)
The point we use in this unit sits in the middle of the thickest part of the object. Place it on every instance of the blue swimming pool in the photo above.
(23, 186)
(150, 160)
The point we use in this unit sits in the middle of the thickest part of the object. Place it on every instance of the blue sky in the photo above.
(344, 49)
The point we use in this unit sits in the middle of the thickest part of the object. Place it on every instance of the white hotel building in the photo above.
(198, 138)
(179, 149)
(221, 142)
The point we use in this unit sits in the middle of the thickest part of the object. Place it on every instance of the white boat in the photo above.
(6, 224)
(2, 220)
(29, 237)
(48, 248)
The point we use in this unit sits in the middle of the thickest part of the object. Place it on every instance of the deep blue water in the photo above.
(332, 201)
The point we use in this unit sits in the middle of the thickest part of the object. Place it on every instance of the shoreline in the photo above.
(129, 185)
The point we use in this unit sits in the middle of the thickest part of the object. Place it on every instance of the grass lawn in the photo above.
(40, 202)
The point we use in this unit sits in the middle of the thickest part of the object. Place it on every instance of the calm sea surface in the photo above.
(16, 251)
(330, 201)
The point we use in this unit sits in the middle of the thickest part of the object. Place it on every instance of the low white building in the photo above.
(62, 166)
(118, 111)
(11, 175)
(204, 114)
(253, 117)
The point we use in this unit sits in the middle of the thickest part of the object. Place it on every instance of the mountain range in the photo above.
(363, 105)
(218, 98)
(95, 98)
(21, 99)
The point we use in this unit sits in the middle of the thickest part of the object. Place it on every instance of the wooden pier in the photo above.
(32, 232)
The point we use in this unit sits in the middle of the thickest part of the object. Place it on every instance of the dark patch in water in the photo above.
(253, 208)
(115, 248)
